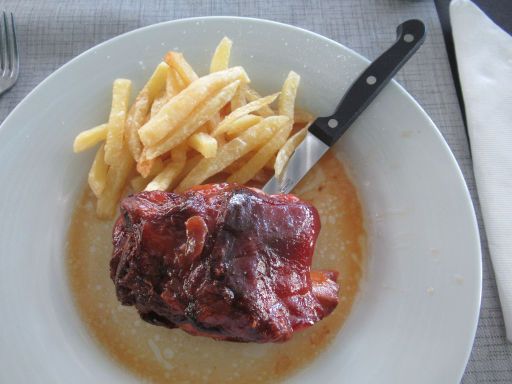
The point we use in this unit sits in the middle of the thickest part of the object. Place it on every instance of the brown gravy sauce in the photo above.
(161, 355)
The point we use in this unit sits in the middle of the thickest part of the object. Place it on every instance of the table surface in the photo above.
(51, 33)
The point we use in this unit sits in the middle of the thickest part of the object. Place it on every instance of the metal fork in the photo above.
(9, 63)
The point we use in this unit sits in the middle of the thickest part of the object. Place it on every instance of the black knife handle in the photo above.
(410, 36)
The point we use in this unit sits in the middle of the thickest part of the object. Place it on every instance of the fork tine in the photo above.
(7, 44)
(14, 62)
(3, 52)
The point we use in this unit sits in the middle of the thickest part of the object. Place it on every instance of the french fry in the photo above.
(262, 156)
(179, 107)
(138, 183)
(246, 109)
(189, 165)
(239, 99)
(252, 95)
(162, 181)
(213, 122)
(270, 164)
(134, 120)
(173, 85)
(220, 59)
(266, 153)
(302, 117)
(145, 166)
(167, 176)
(241, 124)
(89, 138)
(187, 74)
(158, 80)
(233, 150)
(200, 116)
(137, 114)
(286, 107)
(157, 165)
(286, 103)
(220, 62)
(177, 61)
(204, 144)
(116, 122)
(157, 105)
(98, 174)
(116, 180)
(177, 81)
(239, 163)
(287, 150)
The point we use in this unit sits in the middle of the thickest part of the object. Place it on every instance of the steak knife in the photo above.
(324, 132)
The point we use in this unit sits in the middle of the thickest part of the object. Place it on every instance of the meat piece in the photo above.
(223, 261)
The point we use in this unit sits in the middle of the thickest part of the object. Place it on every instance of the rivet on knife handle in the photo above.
(410, 36)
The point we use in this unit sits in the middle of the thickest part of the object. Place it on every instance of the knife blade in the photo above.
(324, 132)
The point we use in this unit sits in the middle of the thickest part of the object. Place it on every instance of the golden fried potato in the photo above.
(89, 138)
(213, 122)
(98, 174)
(239, 163)
(193, 122)
(145, 166)
(242, 111)
(138, 183)
(177, 61)
(157, 105)
(175, 112)
(204, 144)
(252, 95)
(287, 150)
(116, 181)
(187, 75)
(302, 117)
(269, 166)
(164, 180)
(286, 103)
(116, 122)
(136, 116)
(220, 62)
(236, 148)
(241, 124)
(192, 161)
(220, 59)
(249, 170)
(135, 119)
(173, 85)
(239, 99)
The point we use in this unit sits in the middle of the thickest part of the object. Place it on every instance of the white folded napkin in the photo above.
(484, 59)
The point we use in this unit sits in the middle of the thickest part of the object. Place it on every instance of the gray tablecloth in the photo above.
(52, 32)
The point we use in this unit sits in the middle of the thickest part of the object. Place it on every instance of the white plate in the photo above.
(415, 318)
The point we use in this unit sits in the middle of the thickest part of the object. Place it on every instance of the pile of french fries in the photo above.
(183, 130)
